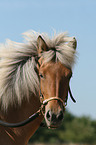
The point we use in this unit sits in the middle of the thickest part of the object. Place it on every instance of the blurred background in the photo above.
(78, 18)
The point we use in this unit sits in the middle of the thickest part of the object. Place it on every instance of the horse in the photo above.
(34, 75)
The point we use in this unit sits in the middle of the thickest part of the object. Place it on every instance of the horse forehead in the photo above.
(56, 69)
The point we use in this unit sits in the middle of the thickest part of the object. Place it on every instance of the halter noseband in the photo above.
(45, 102)
(53, 98)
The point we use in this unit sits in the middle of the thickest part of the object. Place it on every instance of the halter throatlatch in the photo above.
(71, 95)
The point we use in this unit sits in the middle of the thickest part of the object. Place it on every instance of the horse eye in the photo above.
(41, 76)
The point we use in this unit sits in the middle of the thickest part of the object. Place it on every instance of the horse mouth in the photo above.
(53, 125)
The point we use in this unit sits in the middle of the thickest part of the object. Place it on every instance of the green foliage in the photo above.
(73, 129)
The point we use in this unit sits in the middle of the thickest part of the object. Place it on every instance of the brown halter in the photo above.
(41, 109)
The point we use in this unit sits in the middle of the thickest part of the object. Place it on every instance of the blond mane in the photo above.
(18, 76)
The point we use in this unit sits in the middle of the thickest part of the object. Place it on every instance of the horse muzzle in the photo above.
(54, 120)
(54, 111)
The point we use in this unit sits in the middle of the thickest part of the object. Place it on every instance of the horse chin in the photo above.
(52, 125)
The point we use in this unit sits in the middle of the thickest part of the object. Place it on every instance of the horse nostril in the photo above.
(60, 116)
(48, 115)
(54, 117)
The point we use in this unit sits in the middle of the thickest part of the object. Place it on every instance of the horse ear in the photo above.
(73, 43)
(42, 46)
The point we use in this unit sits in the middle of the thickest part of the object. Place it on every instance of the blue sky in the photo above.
(78, 17)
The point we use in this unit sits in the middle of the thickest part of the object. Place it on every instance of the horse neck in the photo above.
(22, 135)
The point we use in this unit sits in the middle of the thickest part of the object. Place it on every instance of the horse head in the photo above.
(54, 82)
